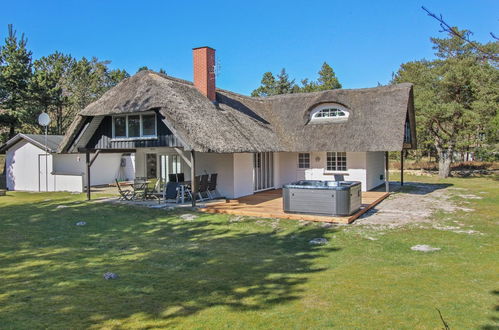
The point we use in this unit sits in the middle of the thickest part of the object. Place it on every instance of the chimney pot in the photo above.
(204, 71)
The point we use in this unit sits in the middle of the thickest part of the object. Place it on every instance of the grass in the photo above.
(214, 272)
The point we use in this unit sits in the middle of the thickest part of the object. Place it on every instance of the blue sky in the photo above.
(364, 41)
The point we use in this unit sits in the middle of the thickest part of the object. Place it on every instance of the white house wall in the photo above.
(206, 163)
(104, 170)
(235, 171)
(375, 169)
(243, 174)
(289, 171)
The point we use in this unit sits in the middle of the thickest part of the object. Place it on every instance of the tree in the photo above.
(271, 85)
(267, 87)
(48, 90)
(456, 97)
(15, 73)
(327, 78)
(283, 84)
(142, 68)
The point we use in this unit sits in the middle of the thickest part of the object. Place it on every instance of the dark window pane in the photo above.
(133, 126)
(148, 125)
(151, 166)
(120, 126)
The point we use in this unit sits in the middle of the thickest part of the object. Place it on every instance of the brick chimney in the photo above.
(204, 71)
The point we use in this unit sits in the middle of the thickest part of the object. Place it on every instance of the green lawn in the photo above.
(218, 271)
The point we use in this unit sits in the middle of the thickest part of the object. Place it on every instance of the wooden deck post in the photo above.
(87, 159)
(402, 167)
(387, 162)
(193, 178)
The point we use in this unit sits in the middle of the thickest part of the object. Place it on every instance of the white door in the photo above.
(46, 181)
(263, 171)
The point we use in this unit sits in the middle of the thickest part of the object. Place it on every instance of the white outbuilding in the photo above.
(32, 164)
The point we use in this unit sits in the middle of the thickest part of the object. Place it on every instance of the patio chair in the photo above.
(172, 177)
(125, 194)
(193, 193)
(154, 191)
(139, 190)
(180, 177)
(203, 187)
(212, 186)
(171, 192)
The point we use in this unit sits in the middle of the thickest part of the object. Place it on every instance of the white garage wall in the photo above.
(22, 166)
(26, 171)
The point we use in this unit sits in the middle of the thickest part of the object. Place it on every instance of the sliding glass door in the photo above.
(169, 164)
(263, 171)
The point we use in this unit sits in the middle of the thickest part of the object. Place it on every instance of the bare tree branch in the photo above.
(463, 36)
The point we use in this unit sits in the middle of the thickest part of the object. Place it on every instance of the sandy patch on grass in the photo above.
(414, 205)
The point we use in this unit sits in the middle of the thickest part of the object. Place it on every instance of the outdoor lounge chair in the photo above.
(203, 187)
(180, 177)
(125, 194)
(194, 193)
(171, 192)
(172, 178)
(212, 186)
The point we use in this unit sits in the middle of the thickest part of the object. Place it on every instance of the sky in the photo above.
(364, 41)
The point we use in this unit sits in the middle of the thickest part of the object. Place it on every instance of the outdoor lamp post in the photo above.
(44, 120)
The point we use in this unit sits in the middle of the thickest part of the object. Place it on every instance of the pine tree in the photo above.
(327, 78)
(283, 84)
(267, 87)
(456, 98)
(15, 73)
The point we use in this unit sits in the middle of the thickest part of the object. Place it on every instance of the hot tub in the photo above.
(322, 197)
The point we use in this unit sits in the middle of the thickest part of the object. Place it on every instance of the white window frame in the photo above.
(301, 160)
(336, 168)
(330, 119)
(141, 136)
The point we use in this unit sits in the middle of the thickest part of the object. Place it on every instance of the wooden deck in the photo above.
(268, 204)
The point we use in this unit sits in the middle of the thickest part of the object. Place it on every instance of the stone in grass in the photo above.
(81, 223)
(110, 276)
(188, 217)
(424, 248)
(318, 241)
(61, 206)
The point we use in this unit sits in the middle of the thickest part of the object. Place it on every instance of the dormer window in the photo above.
(326, 113)
(135, 126)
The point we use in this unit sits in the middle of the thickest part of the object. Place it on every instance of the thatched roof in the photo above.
(239, 123)
(53, 141)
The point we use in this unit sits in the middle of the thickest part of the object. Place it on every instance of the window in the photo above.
(149, 125)
(407, 133)
(336, 161)
(120, 126)
(326, 113)
(303, 160)
(151, 166)
(135, 126)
